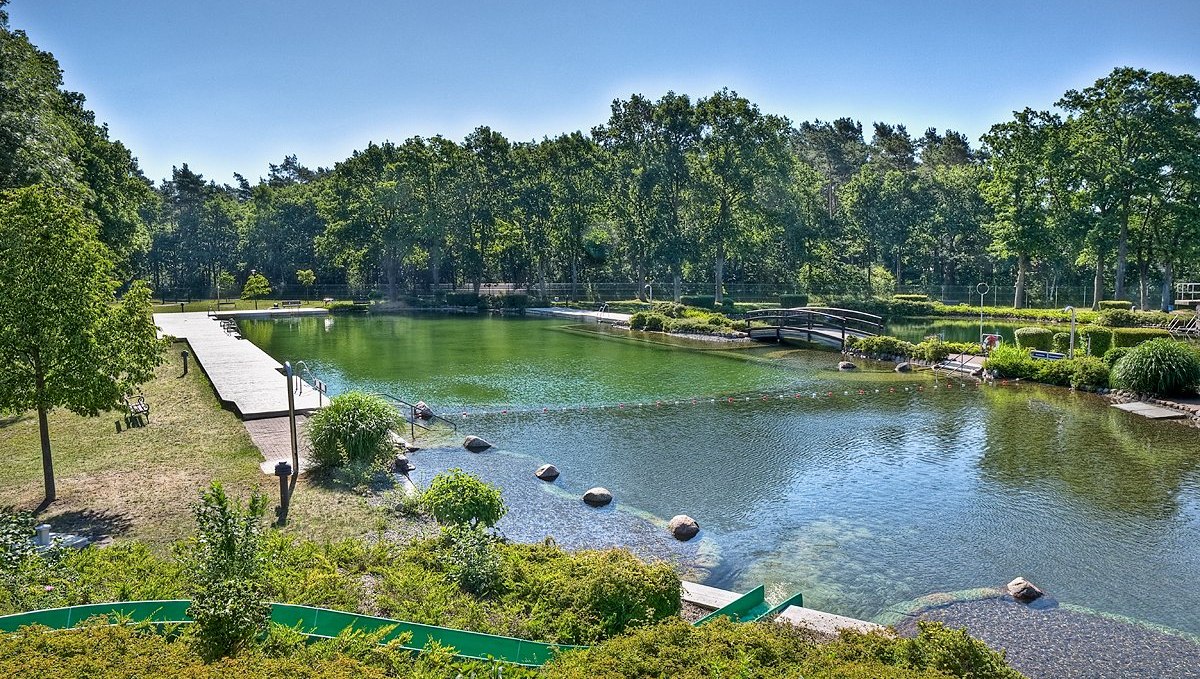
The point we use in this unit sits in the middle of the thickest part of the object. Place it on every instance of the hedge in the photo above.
(792, 301)
(702, 301)
(1035, 338)
(1095, 339)
(911, 298)
(1131, 337)
(462, 299)
(1062, 342)
(1115, 304)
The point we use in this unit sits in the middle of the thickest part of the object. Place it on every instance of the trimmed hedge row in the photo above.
(1115, 304)
(1014, 362)
(1041, 339)
(793, 301)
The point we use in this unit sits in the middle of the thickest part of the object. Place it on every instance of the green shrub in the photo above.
(1115, 304)
(702, 301)
(352, 429)
(468, 299)
(1115, 354)
(793, 301)
(470, 559)
(1037, 338)
(1057, 372)
(656, 322)
(723, 648)
(1062, 342)
(911, 298)
(882, 346)
(1011, 362)
(225, 568)
(1160, 366)
(515, 300)
(1131, 337)
(1089, 372)
(346, 307)
(1095, 339)
(1118, 318)
(670, 309)
(638, 320)
(457, 498)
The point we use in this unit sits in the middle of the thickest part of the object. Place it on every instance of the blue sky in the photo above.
(231, 85)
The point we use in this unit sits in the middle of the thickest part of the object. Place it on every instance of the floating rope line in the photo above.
(948, 386)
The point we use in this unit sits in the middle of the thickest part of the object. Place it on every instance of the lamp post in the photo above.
(1071, 350)
(982, 289)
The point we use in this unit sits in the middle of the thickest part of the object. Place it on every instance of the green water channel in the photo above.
(858, 500)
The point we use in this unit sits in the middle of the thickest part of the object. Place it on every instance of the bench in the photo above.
(138, 410)
(1048, 355)
(290, 304)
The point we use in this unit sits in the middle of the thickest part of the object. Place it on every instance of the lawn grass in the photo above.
(141, 483)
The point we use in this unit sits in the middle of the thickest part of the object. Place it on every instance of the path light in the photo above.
(1071, 351)
(283, 470)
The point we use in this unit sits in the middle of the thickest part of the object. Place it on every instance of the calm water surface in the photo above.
(859, 501)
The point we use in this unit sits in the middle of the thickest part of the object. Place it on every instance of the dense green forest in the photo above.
(1100, 195)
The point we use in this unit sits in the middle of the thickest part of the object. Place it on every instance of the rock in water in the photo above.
(847, 365)
(402, 465)
(597, 497)
(423, 411)
(683, 527)
(476, 444)
(1024, 591)
(547, 472)
(903, 367)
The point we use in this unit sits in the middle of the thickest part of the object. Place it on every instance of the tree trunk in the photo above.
(44, 430)
(1143, 289)
(435, 267)
(641, 277)
(677, 283)
(1168, 283)
(1098, 283)
(1122, 255)
(574, 276)
(1019, 293)
(719, 272)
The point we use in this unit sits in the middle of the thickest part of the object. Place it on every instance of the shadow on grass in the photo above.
(95, 524)
(13, 419)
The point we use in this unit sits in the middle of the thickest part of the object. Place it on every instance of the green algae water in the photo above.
(859, 489)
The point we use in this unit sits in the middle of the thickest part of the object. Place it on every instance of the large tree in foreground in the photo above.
(65, 341)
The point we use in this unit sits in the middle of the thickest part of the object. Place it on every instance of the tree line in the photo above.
(1104, 190)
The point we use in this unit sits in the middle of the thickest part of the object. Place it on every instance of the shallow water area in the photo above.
(858, 489)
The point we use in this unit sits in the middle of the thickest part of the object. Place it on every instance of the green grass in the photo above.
(141, 483)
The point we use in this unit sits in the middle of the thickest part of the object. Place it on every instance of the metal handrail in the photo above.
(412, 415)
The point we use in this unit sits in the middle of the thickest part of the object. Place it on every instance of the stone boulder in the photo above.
(847, 365)
(904, 367)
(683, 527)
(423, 411)
(1024, 591)
(597, 497)
(476, 444)
(402, 465)
(547, 472)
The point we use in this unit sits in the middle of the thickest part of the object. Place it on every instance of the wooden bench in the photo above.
(138, 410)
(290, 304)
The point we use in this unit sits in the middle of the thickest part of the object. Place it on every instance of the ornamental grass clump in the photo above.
(353, 429)
(1159, 366)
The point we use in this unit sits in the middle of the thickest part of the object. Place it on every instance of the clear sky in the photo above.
(231, 85)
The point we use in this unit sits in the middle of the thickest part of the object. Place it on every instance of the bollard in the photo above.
(283, 470)
(184, 354)
(43, 534)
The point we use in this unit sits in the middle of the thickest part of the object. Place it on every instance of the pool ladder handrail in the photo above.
(412, 415)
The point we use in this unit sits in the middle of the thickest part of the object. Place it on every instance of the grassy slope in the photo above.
(141, 483)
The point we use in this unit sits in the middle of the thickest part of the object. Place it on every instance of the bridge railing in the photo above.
(820, 317)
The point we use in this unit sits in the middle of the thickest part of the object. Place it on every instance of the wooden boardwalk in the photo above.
(247, 380)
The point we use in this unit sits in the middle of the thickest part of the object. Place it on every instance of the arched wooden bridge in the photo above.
(823, 325)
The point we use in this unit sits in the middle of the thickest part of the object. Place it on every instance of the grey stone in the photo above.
(547, 472)
(423, 411)
(1024, 591)
(597, 497)
(402, 465)
(683, 527)
(847, 365)
(904, 367)
(476, 444)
